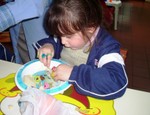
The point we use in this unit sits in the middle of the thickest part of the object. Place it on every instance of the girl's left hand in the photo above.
(62, 72)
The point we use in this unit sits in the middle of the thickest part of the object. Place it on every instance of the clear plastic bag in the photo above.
(36, 102)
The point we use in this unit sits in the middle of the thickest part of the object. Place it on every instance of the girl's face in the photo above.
(78, 40)
(75, 41)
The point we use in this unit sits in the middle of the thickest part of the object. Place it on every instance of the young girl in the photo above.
(95, 66)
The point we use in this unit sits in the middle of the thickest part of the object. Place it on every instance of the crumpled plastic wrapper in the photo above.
(36, 102)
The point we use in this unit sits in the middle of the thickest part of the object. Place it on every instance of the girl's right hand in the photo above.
(45, 54)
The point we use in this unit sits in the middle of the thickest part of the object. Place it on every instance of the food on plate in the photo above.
(41, 80)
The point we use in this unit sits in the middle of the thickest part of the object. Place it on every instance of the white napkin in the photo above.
(36, 102)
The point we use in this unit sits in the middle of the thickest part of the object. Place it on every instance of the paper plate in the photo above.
(36, 66)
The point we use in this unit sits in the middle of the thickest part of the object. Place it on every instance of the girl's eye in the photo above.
(67, 36)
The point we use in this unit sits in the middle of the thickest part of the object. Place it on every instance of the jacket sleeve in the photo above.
(14, 12)
(6, 18)
(54, 41)
(107, 82)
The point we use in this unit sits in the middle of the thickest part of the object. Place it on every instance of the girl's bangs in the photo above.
(67, 28)
(64, 25)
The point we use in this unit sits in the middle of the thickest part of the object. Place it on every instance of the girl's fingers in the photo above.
(53, 68)
(42, 58)
(45, 54)
(45, 58)
(48, 58)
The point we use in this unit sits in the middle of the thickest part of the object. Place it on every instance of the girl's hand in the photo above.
(45, 54)
(62, 72)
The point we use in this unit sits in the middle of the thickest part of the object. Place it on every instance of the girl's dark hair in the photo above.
(65, 17)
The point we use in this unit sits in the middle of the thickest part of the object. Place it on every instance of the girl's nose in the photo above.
(63, 40)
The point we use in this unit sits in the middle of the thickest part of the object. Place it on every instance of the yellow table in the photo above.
(134, 102)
